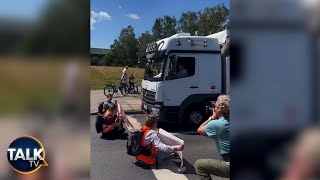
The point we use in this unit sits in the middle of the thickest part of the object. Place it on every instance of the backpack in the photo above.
(134, 146)
(99, 122)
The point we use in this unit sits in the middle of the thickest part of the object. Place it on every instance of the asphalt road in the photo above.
(110, 161)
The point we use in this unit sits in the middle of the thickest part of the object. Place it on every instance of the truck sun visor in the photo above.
(151, 47)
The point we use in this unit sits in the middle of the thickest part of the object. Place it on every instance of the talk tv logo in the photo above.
(26, 155)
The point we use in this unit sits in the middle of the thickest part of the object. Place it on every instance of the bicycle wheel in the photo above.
(109, 89)
(124, 89)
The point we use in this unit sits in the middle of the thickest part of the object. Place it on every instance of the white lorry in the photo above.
(183, 74)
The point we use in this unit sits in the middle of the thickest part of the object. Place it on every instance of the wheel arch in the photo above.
(194, 99)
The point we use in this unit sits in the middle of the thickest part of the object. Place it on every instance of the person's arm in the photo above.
(118, 120)
(155, 140)
(209, 129)
(127, 122)
(108, 128)
(201, 129)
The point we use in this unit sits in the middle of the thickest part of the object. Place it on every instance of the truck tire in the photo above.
(194, 116)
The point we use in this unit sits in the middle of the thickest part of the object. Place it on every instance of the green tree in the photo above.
(164, 27)
(123, 51)
(169, 26)
(108, 60)
(213, 20)
(157, 29)
(188, 22)
(95, 61)
(144, 39)
(129, 47)
(112, 58)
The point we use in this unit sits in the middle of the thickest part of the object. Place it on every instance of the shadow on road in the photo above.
(188, 167)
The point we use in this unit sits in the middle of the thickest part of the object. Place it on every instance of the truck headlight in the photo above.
(155, 111)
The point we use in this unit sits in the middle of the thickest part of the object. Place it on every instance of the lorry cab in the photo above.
(183, 74)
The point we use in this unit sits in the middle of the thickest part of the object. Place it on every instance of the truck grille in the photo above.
(149, 96)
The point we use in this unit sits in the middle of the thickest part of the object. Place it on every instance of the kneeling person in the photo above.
(216, 127)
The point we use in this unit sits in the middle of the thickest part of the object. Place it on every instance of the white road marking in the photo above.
(134, 122)
(168, 171)
(165, 174)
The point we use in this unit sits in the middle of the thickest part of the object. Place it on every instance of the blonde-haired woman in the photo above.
(217, 127)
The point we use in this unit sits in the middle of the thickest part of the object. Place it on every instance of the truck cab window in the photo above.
(181, 67)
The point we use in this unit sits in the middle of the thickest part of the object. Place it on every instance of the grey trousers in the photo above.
(217, 167)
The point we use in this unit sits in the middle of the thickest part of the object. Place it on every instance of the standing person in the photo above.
(157, 148)
(124, 77)
(216, 127)
(112, 125)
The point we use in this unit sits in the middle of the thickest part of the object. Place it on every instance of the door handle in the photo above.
(193, 87)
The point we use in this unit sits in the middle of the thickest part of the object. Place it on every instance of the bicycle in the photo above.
(133, 88)
(112, 89)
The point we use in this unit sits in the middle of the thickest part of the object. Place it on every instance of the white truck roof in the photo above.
(221, 36)
(184, 41)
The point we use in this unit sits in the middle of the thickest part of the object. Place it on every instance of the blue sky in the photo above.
(22, 9)
(108, 17)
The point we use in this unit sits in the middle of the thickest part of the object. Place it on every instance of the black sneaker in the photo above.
(144, 166)
(107, 138)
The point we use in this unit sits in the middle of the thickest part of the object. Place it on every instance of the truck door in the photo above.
(181, 79)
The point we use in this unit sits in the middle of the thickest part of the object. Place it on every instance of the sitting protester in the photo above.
(105, 104)
(112, 124)
(216, 127)
(153, 148)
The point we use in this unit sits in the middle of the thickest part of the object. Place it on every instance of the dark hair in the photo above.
(151, 120)
(112, 107)
(109, 95)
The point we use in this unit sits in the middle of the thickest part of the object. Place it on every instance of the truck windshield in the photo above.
(154, 69)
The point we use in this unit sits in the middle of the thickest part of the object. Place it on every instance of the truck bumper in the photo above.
(160, 111)
(152, 109)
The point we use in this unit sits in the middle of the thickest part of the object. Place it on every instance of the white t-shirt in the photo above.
(124, 75)
(152, 137)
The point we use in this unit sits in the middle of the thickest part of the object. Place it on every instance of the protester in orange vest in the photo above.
(153, 146)
(112, 125)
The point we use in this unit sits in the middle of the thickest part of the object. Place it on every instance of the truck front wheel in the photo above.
(194, 116)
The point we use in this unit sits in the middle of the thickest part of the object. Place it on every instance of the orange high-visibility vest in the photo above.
(150, 160)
